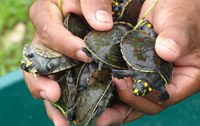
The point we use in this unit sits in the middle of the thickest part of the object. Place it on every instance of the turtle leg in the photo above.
(100, 65)
(120, 74)
(160, 86)
(163, 96)
(86, 51)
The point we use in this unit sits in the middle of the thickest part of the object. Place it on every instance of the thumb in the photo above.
(177, 29)
(98, 13)
(172, 43)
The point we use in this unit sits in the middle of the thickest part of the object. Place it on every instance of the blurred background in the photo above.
(15, 30)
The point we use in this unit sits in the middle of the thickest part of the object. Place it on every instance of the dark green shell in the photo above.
(94, 96)
(39, 59)
(104, 45)
(67, 101)
(77, 25)
(126, 10)
(138, 50)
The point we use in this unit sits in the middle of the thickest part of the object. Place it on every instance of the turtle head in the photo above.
(141, 87)
(27, 65)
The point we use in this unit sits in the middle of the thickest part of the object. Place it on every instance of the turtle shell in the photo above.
(103, 45)
(77, 25)
(95, 96)
(43, 51)
(67, 100)
(39, 59)
(138, 50)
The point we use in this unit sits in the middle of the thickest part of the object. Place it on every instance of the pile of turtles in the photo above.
(87, 88)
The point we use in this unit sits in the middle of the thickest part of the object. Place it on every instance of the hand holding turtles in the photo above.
(180, 27)
(177, 41)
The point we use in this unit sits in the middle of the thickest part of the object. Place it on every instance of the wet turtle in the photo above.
(77, 25)
(126, 10)
(95, 92)
(149, 71)
(38, 59)
(103, 46)
(67, 101)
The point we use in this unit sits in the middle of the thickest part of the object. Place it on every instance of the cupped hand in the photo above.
(47, 19)
(178, 41)
(48, 22)
(177, 23)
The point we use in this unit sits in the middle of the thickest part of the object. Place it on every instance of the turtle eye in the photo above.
(29, 55)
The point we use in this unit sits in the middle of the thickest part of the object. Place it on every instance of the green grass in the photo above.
(13, 12)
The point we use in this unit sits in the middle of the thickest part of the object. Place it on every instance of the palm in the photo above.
(185, 80)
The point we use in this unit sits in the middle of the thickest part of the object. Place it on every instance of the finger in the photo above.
(55, 115)
(173, 42)
(55, 36)
(42, 87)
(184, 84)
(124, 89)
(98, 13)
(114, 115)
(44, 11)
(176, 25)
(47, 20)
(74, 7)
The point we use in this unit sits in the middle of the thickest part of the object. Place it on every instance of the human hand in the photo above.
(178, 41)
(49, 30)
(89, 13)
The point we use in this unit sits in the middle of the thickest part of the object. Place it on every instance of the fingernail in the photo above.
(43, 95)
(120, 84)
(82, 56)
(169, 44)
(103, 16)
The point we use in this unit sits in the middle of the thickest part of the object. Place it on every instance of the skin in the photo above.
(178, 41)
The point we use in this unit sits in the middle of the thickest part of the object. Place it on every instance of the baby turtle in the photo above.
(67, 101)
(77, 25)
(103, 46)
(149, 71)
(38, 59)
(94, 94)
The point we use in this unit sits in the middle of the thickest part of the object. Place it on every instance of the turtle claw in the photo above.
(117, 74)
(163, 97)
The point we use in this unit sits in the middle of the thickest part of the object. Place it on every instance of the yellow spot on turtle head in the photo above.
(149, 25)
(28, 63)
(150, 89)
(116, 4)
(22, 62)
(139, 81)
(135, 90)
(145, 84)
(144, 92)
(118, 13)
(137, 94)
